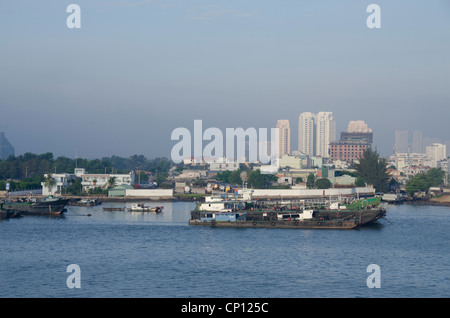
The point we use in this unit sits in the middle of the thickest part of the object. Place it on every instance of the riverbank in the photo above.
(440, 200)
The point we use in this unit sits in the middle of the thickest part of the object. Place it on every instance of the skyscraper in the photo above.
(417, 142)
(401, 141)
(325, 133)
(284, 143)
(6, 149)
(306, 133)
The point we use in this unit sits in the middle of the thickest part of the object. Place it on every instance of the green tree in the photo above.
(258, 180)
(161, 178)
(435, 177)
(76, 188)
(424, 180)
(112, 182)
(359, 182)
(49, 181)
(224, 176)
(235, 177)
(310, 181)
(323, 183)
(417, 183)
(373, 169)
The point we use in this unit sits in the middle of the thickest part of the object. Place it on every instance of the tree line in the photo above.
(423, 181)
(27, 171)
(255, 179)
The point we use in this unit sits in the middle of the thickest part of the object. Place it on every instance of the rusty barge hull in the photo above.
(38, 208)
(312, 224)
(325, 219)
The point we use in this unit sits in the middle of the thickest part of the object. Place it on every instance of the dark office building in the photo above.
(6, 149)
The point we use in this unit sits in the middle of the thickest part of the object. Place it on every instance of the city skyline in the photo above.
(137, 70)
(414, 142)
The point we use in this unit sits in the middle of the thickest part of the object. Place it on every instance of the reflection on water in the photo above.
(167, 216)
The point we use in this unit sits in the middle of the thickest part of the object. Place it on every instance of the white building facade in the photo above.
(437, 152)
(325, 133)
(306, 133)
(284, 142)
(62, 181)
(91, 181)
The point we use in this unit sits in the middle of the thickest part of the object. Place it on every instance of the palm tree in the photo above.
(112, 182)
(49, 182)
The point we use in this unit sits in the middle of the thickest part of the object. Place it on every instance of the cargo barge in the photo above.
(247, 213)
(47, 206)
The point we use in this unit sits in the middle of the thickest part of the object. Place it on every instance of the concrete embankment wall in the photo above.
(154, 194)
(309, 193)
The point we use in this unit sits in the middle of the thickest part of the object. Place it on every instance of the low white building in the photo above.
(288, 161)
(91, 181)
(62, 181)
(192, 174)
(223, 164)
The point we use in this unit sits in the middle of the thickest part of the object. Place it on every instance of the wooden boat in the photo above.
(140, 207)
(113, 209)
(84, 202)
(47, 206)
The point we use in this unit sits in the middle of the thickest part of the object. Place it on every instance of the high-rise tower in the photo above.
(284, 142)
(325, 133)
(306, 133)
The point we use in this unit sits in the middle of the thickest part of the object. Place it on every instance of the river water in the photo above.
(135, 254)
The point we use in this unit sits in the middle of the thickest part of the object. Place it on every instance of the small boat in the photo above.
(113, 209)
(84, 202)
(140, 207)
(393, 198)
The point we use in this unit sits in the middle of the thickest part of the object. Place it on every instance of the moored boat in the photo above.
(84, 202)
(47, 206)
(113, 209)
(140, 207)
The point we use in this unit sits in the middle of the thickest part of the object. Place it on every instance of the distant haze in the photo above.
(138, 69)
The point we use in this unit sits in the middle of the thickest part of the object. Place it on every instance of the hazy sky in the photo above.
(137, 69)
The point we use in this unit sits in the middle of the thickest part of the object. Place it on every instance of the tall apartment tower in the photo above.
(401, 141)
(325, 133)
(284, 142)
(306, 133)
(417, 142)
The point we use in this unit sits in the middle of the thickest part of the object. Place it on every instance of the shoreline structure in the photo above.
(263, 194)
